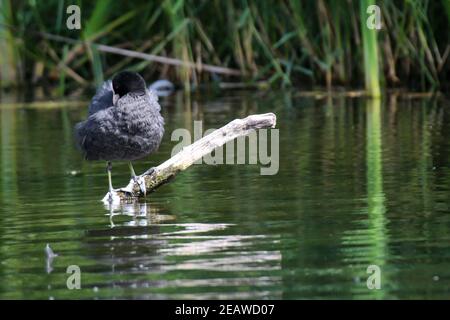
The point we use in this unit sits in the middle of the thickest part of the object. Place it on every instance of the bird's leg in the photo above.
(108, 170)
(138, 179)
(130, 165)
(111, 196)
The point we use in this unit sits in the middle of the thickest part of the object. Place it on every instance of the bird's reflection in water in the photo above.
(143, 213)
(143, 242)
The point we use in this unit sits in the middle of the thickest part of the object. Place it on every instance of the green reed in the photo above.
(285, 43)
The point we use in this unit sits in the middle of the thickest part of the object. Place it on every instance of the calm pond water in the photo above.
(360, 183)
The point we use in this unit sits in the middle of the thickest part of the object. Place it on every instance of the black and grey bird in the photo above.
(124, 123)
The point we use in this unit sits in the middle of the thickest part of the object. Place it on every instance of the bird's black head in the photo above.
(126, 82)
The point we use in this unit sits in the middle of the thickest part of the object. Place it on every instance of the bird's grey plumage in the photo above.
(129, 130)
(103, 98)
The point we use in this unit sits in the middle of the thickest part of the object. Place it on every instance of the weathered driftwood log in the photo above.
(188, 155)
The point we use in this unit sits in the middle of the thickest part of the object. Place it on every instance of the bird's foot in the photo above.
(129, 188)
(148, 172)
(111, 197)
(141, 183)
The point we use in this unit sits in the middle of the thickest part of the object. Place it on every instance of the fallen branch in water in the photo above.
(186, 157)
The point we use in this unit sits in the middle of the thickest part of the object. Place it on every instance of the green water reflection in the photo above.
(360, 182)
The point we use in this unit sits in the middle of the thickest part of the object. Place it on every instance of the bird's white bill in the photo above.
(115, 98)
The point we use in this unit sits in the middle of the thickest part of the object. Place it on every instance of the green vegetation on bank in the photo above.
(285, 43)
